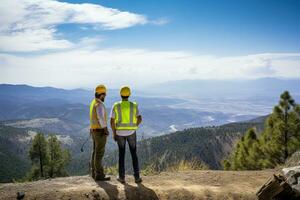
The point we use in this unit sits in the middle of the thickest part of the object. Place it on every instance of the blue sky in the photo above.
(81, 43)
(208, 27)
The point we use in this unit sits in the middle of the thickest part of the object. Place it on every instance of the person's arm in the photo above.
(138, 116)
(139, 120)
(102, 118)
(112, 123)
(113, 127)
(106, 131)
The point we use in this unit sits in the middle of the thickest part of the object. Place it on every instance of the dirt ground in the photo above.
(178, 185)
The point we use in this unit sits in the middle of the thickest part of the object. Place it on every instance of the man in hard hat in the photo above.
(99, 132)
(125, 119)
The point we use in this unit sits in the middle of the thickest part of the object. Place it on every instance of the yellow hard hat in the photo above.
(125, 91)
(100, 89)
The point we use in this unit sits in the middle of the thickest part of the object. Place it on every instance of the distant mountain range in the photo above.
(247, 97)
(162, 113)
(256, 88)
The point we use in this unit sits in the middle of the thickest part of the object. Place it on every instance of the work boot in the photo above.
(121, 180)
(138, 180)
(101, 178)
(92, 174)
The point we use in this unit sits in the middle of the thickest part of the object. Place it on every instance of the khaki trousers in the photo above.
(99, 141)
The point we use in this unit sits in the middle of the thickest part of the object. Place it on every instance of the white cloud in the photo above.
(161, 21)
(30, 25)
(85, 68)
(32, 40)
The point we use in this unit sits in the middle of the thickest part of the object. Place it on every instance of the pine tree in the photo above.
(271, 144)
(48, 158)
(226, 164)
(246, 153)
(294, 126)
(237, 157)
(281, 135)
(38, 155)
(279, 140)
(253, 151)
(235, 164)
(282, 111)
(58, 158)
(255, 155)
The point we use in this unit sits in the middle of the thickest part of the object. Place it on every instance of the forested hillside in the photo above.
(210, 145)
(13, 157)
(14, 152)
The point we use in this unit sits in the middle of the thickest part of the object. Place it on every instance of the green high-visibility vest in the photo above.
(125, 118)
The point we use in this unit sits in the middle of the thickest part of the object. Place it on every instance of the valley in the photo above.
(176, 125)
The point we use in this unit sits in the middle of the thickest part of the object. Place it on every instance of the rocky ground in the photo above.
(171, 185)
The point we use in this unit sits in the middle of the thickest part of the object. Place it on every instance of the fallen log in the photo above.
(276, 188)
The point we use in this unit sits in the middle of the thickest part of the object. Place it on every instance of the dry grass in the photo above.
(183, 165)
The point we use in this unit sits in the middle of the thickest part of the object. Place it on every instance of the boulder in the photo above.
(292, 175)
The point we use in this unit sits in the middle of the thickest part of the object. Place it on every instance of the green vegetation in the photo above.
(47, 158)
(261, 144)
(15, 144)
(113, 170)
(206, 146)
(279, 140)
(58, 158)
(38, 155)
(13, 163)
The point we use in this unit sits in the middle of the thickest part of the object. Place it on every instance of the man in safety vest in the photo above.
(125, 119)
(99, 133)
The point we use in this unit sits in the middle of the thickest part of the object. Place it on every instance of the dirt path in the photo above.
(179, 185)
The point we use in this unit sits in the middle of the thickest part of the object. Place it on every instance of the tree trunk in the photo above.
(286, 153)
(52, 158)
(41, 160)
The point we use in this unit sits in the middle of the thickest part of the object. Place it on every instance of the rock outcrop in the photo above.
(171, 185)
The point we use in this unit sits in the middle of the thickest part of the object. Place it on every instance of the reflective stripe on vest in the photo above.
(125, 115)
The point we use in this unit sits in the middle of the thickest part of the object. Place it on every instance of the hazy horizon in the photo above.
(155, 84)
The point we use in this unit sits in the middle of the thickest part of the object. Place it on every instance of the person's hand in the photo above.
(115, 137)
(106, 132)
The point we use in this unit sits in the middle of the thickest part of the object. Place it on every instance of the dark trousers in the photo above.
(131, 139)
